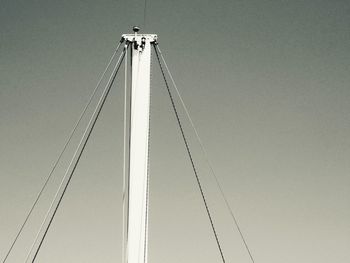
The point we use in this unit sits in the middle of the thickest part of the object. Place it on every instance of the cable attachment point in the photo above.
(143, 43)
(126, 44)
(140, 41)
(136, 45)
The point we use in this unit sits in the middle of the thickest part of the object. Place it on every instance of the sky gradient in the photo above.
(267, 85)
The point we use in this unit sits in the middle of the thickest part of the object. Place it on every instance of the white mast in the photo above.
(137, 221)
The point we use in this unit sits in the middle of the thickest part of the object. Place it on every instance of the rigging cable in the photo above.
(144, 14)
(207, 160)
(190, 156)
(60, 156)
(82, 142)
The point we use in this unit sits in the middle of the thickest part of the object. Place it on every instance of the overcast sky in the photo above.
(267, 85)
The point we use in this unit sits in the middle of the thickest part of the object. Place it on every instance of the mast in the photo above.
(139, 105)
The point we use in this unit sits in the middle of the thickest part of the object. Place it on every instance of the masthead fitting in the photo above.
(135, 29)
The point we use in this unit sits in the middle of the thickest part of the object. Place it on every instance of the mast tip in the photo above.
(135, 29)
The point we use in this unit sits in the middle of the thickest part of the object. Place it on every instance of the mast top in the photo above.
(139, 37)
(135, 29)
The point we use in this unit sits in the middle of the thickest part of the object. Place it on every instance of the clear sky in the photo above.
(266, 83)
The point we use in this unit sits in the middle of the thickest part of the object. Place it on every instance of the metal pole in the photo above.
(136, 251)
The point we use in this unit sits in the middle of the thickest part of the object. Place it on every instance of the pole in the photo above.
(137, 232)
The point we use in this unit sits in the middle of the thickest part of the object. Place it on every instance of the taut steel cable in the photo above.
(234, 218)
(82, 142)
(191, 159)
(144, 15)
(60, 155)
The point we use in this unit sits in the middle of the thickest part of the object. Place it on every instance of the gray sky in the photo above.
(267, 84)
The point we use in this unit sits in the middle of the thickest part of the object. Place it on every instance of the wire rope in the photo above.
(234, 218)
(59, 157)
(144, 14)
(191, 159)
(82, 142)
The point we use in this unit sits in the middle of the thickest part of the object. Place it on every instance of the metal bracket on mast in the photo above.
(139, 103)
(139, 40)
